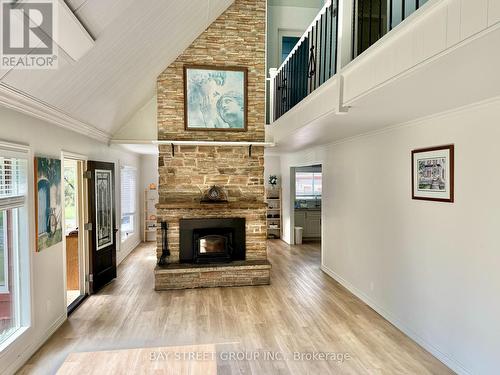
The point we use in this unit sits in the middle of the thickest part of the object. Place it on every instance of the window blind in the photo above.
(128, 190)
(13, 182)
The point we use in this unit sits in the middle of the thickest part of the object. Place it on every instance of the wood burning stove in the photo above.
(213, 245)
(212, 240)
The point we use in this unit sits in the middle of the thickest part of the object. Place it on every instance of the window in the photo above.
(14, 248)
(128, 199)
(308, 185)
(4, 257)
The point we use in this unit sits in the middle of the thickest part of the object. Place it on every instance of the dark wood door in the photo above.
(102, 231)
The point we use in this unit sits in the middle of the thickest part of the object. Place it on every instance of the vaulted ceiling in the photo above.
(297, 3)
(135, 42)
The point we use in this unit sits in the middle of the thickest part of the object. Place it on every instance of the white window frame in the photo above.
(24, 242)
(5, 288)
(133, 214)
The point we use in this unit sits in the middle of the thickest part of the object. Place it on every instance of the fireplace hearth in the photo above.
(214, 240)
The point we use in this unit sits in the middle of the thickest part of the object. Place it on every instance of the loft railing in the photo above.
(374, 18)
(311, 62)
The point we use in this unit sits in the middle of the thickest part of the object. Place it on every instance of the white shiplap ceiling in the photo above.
(135, 41)
(297, 3)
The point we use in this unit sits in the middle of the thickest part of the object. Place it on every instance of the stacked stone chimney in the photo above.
(236, 38)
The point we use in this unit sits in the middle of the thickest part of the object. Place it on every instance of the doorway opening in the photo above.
(307, 183)
(74, 219)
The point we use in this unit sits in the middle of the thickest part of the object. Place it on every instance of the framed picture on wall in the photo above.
(433, 173)
(48, 205)
(215, 98)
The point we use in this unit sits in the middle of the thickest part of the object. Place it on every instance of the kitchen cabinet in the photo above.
(310, 220)
(313, 224)
(300, 219)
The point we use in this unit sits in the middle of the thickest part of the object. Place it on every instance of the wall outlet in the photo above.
(372, 286)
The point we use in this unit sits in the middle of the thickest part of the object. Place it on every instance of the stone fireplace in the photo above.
(214, 243)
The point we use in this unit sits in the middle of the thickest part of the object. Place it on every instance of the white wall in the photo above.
(142, 125)
(430, 268)
(48, 274)
(272, 166)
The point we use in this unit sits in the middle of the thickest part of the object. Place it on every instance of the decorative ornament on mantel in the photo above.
(215, 194)
(273, 180)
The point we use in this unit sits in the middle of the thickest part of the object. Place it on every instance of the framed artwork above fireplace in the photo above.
(215, 98)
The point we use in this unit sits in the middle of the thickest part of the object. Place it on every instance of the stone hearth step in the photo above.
(186, 276)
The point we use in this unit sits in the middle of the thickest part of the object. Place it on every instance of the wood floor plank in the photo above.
(158, 361)
(303, 311)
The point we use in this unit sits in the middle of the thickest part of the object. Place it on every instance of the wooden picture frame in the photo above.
(223, 87)
(433, 173)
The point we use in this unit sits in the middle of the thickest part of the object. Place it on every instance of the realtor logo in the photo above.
(28, 33)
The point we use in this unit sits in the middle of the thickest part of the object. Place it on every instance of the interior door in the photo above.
(102, 232)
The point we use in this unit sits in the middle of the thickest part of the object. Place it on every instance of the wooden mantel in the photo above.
(207, 206)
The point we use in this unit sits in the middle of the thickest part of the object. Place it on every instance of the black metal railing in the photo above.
(374, 18)
(312, 62)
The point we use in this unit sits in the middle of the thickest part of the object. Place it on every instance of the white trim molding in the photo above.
(72, 155)
(190, 143)
(14, 147)
(21, 102)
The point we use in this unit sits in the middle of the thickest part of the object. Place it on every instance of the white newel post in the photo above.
(345, 33)
(272, 75)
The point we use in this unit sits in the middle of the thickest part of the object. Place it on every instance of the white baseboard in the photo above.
(446, 359)
(31, 349)
(125, 251)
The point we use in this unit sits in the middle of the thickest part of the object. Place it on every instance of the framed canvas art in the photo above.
(215, 98)
(433, 173)
(48, 205)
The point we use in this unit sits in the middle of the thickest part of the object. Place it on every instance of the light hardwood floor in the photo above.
(303, 311)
